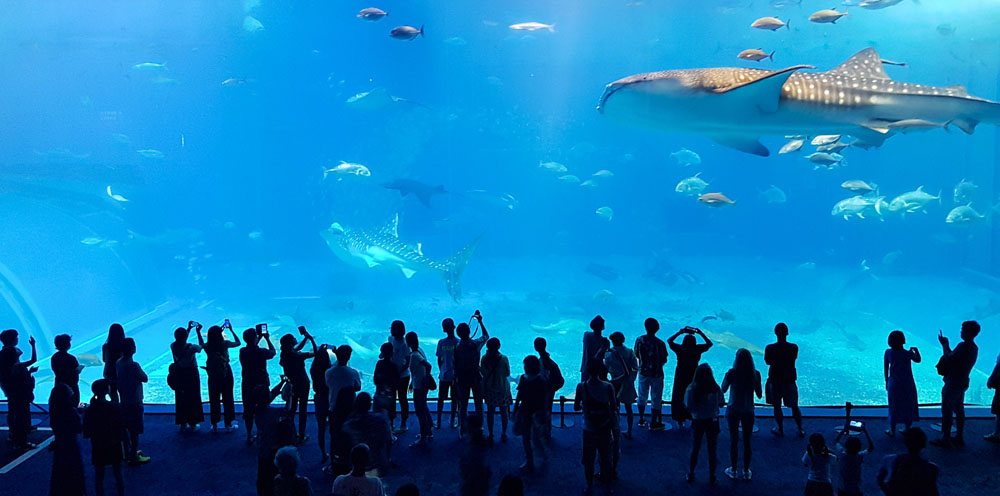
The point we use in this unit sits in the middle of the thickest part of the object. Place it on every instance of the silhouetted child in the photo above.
(851, 458)
(531, 394)
(819, 459)
(994, 383)
(357, 483)
(955, 367)
(554, 381)
(18, 383)
(67, 463)
(288, 482)
(102, 424)
(130, 379)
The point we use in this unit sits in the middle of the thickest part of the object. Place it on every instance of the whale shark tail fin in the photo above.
(455, 267)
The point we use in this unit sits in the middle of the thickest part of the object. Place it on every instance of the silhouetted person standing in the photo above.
(468, 376)
(622, 367)
(688, 356)
(780, 388)
(595, 345)
(372, 429)
(955, 367)
(186, 382)
(554, 381)
(130, 380)
(899, 384)
(293, 363)
(496, 386)
(67, 463)
(702, 399)
(909, 474)
(596, 399)
(321, 397)
(743, 382)
(18, 383)
(253, 365)
(220, 375)
(343, 382)
(651, 353)
(65, 367)
(421, 379)
(994, 383)
(531, 394)
(446, 371)
(102, 424)
(401, 358)
(110, 353)
(386, 377)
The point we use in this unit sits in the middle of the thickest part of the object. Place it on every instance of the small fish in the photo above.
(792, 146)
(686, 157)
(255, 235)
(605, 213)
(117, 198)
(406, 33)
(963, 214)
(691, 186)
(769, 23)
(715, 200)
(372, 14)
(835, 147)
(533, 26)
(963, 191)
(825, 139)
(756, 55)
(150, 66)
(234, 82)
(878, 4)
(828, 16)
(151, 154)
(913, 201)
(121, 139)
(347, 169)
(857, 186)
(774, 194)
(570, 178)
(708, 318)
(252, 25)
(826, 159)
(89, 359)
(92, 240)
(603, 173)
(553, 167)
(589, 183)
(455, 41)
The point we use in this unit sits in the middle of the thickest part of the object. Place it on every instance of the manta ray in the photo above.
(735, 106)
(381, 248)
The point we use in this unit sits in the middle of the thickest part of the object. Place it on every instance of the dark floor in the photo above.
(652, 463)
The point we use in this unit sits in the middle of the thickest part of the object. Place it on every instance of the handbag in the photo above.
(172, 379)
(431, 383)
(943, 366)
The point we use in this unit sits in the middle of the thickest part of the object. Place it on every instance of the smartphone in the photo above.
(261, 329)
(227, 324)
(857, 425)
(302, 330)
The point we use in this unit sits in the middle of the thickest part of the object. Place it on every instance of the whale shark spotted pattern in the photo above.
(735, 106)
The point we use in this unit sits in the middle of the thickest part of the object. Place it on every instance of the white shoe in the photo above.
(732, 474)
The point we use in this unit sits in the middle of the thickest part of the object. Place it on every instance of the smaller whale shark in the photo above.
(381, 248)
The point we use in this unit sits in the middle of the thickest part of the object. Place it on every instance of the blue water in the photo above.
(226, 223)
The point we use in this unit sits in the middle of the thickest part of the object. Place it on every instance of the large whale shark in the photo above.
(381, 248)
(735, 106)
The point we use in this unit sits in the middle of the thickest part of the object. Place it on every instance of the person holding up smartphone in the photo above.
(293, 362)
(188, 413)
(253, 363)
(851, 456)
(688, 356)
(220, 375)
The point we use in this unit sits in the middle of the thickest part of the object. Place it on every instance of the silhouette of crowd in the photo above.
(356, 431)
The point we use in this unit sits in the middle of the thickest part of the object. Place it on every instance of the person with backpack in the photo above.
(651, 353)
(553, 379)
(468, 376)
(596, 399)
(622, 367)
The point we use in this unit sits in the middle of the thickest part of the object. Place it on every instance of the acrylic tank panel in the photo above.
(296, 165)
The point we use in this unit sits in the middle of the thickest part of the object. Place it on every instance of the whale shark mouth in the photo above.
(608, 91)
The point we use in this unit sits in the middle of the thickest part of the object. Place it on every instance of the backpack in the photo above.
(467, 360)
(555, 379)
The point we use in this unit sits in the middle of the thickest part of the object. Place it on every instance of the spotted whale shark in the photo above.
(381, 248)
(736, 106)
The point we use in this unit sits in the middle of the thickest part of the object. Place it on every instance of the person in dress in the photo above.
(688, 355)
(496, 386)
(188, 413)
(623, 367)
(899, 383)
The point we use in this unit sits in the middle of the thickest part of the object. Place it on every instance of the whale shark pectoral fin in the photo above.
(867, 64)
(371, 262)
(966, 125)
(407, 272)
(763, 93)
(743, 143)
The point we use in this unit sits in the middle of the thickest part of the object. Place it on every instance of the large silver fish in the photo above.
(735, 106)
(381, 248)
